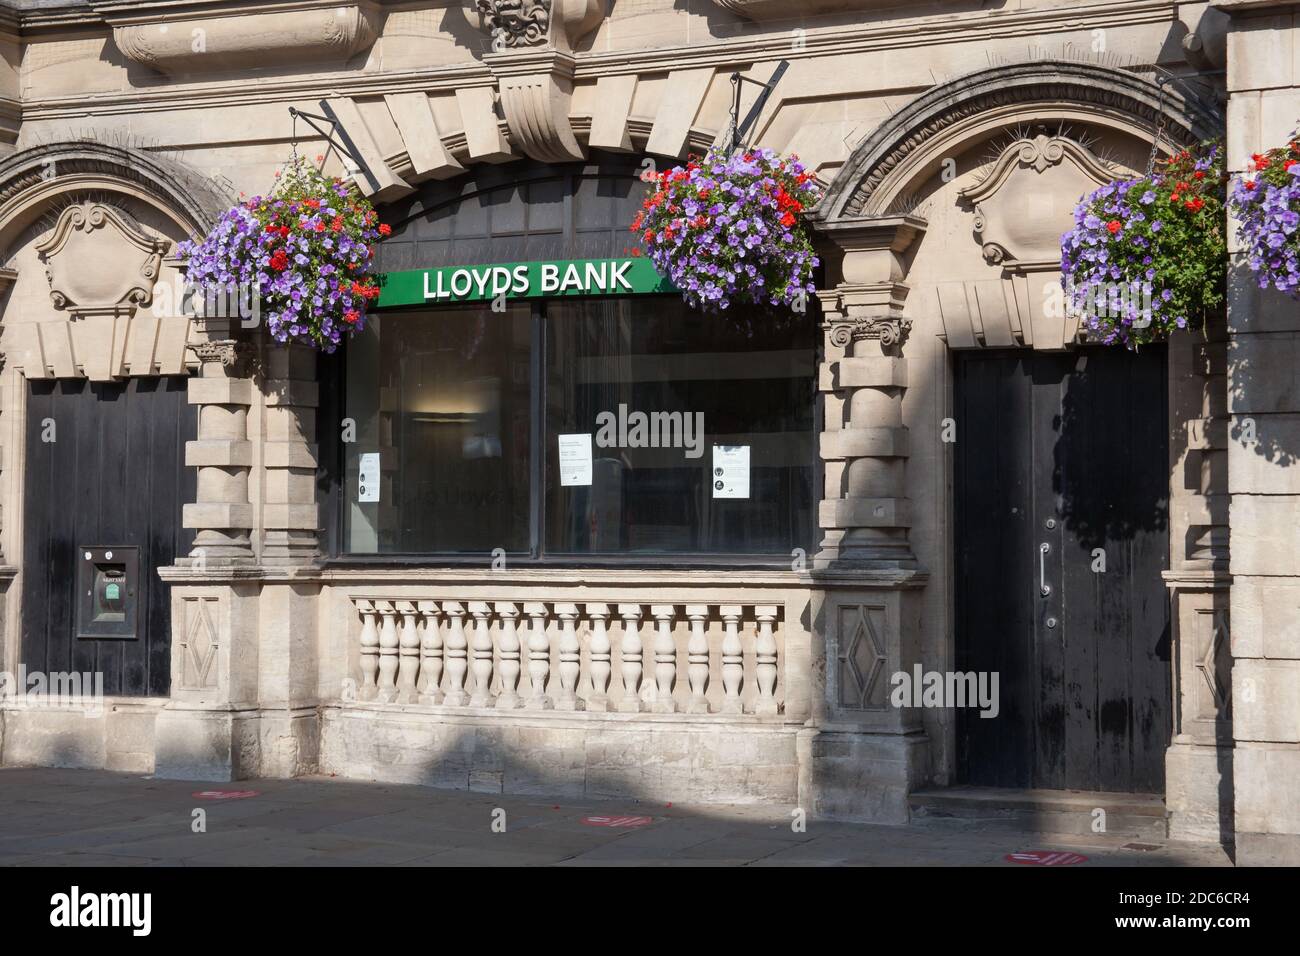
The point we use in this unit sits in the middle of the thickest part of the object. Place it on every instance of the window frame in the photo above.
(537, 556)
(332, 369)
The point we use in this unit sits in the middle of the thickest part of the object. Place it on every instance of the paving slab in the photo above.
(59, 817)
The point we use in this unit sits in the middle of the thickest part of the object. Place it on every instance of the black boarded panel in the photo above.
(1056, 695)
(1113, 482)
(114, 476)
(992, 474)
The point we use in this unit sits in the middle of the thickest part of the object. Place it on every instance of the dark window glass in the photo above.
(657, 386)
(443, 399)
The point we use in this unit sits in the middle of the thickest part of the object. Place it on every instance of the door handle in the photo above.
(1043, 587)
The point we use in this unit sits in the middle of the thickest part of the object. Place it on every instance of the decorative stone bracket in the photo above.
(532, 43)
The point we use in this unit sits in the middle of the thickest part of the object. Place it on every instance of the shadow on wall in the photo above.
(1110, 460)
(1264, 371)
(678, 763)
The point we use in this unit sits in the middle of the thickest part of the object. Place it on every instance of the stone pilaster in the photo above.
(865, 512)
(1198, 763)
(289, 513)
(1263, 448)
(864, 756)
(221, 514)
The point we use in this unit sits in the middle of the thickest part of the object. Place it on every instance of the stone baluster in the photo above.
(765, 654)
(570, 658)
(482, 648)
(631, 652)
(430, 655)
(509, 699)
(600, 652)
(408, 665)
(665, 658)
(697, 658)
(369, 650)
(539, 657)
(456, 649)
(733, 659)
(388, 648)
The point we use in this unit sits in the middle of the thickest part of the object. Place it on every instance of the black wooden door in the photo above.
(105, 468)
(1061, 497)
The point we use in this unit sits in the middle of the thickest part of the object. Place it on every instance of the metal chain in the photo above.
(1159, 130)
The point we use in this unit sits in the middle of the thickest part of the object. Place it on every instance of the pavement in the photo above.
(88, 818)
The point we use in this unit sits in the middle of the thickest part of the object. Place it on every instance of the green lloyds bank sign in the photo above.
(522, 280)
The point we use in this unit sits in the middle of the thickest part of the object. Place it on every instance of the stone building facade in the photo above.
(284, 623)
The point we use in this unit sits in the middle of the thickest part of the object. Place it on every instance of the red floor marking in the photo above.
(225, 794)
(1045, 858)
(617, 821)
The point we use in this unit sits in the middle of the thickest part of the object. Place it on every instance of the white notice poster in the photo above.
(575, 459)
(368, 478)
(731, 471)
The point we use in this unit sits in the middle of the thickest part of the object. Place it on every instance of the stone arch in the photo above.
(34, 178)
(943, 121)
(84, 305)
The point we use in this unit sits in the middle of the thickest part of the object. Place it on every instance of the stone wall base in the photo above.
(206, 744)
(1198, 792)
(862, 776)
(1268, 849)
(119, 736)
(669, 758)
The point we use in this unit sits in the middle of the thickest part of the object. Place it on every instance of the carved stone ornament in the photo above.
(1024, 203)
(100, 262)
(158, 35)
(225, 351)
(515, 23)
(889, 330)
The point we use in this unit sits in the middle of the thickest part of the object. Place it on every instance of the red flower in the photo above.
(337, 224)
(1114, 226)
(385, 229)
(284, 232)
(787, 220)
(1250, 184)
(1195, 204)
(279, 261)
(351, 316)
(1199, 174)
(648, 235)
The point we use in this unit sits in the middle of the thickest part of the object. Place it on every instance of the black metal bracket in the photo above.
(738, 130)
(346, 146)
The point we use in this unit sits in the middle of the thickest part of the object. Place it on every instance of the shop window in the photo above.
(461, 414)
(657, 399)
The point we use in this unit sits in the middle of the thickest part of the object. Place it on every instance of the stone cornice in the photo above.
(732, 53)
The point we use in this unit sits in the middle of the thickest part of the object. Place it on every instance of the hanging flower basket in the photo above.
(1148, 256)
(726, 229)
(304, 251)
(1266, 202)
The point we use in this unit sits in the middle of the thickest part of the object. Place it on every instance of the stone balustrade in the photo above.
(564, 657)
